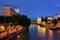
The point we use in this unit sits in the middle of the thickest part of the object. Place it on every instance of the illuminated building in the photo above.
(38, 20)
(49, 18)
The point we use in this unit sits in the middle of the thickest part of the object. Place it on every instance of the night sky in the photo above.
(34, 8)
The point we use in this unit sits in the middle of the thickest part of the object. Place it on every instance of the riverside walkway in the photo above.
(16, 30)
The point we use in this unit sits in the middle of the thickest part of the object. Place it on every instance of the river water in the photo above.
(36, 32)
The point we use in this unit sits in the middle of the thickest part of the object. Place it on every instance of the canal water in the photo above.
(37, 32)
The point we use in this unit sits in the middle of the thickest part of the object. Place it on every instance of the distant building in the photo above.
(50, 18)
(8, 11)
(38, 20)
(57, 16)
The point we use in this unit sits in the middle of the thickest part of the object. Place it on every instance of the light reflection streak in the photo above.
(50, 35)
(18, 36)
(41, 31)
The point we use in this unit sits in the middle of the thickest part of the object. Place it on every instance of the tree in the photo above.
(8, 19)
(2, 19)
(58, 19)
(55, 21)
(24, 20)
(46, 19)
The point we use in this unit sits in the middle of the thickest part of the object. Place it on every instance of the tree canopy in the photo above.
(22, 20)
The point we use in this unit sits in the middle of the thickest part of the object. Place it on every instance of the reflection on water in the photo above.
(23, 36)
(41, 32)
(50, 33)
(58, 34)
(38, 33)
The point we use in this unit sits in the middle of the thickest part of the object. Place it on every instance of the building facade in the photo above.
(8, 11)
(57, 16)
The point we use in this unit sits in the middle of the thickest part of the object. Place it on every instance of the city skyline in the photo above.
(34, 8)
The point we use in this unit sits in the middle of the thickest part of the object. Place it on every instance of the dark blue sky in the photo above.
(34, 8)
